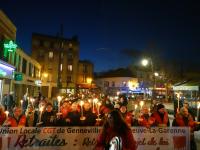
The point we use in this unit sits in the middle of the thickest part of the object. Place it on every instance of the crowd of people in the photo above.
(73, 113)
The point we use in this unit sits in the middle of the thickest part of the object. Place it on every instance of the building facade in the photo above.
(85, 78)
(7, 32)
(27, 74)
(59, 59)
(113, 85)
(18, 71)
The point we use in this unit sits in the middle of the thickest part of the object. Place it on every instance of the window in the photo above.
(35, 43)
(51, 55)
(41, 43)
(69, 56)
(70, 44)
(30, 69)
(61, 55)
(69, 79)
(41, 54)
(61, 67)
(69, 68)
(113, 84)
(34, 72)
(47, 44)
(84, 68)
(106, 84)
(15, 59)
(24, 62)
(19, 64)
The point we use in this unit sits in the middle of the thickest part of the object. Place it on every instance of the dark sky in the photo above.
(106, 27)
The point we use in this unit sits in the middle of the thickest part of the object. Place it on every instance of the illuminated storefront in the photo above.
(6, 77)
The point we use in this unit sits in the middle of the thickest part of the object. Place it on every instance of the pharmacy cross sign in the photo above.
(10, 46)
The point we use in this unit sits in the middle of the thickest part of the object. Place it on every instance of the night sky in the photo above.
(108, 28)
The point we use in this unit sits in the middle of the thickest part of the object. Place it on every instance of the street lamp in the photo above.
(145, 62)
(89, 81)
(156, 74)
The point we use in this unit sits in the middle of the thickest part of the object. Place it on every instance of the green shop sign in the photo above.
(18, 76)
(9, 46)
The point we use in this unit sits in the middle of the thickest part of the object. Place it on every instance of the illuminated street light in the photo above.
(145, 62)
(45, 75)
(156, 74)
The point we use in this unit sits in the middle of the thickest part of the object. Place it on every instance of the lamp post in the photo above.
(146, 62)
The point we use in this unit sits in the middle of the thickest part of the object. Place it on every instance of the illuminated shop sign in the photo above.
(18, 76)
(6, 70)
(38, 82)
(9, 46)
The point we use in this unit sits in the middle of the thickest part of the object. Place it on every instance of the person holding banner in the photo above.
(48, 117)
(185, 119)
(115, 127)
(17, 120)
(31, 116)
(90, 117)
(161, 116)
(145, 119)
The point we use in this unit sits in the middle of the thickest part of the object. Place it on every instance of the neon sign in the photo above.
(9, 46)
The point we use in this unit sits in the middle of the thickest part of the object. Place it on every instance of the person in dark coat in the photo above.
(48, 117)
(73, 117)
(8, 102)
(90, 117)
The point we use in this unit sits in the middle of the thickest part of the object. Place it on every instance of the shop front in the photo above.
(6, 78)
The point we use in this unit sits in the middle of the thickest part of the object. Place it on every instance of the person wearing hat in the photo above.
(190, 110)
(161, 116)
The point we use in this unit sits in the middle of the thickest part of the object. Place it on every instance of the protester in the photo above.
(185, 119)
(8, 102)
(145, 119)
(90, 117)
(115, 126)
(161, 116)
(17, 120)
(48, 117)
(31, 116)
(2, 115)
(126, 115)
(190, 110)
(65, 108)
(153, 107)
(73, 117)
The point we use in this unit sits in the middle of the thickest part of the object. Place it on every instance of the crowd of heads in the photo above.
(89, 113)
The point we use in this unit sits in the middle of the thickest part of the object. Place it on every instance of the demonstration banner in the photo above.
(84, 138)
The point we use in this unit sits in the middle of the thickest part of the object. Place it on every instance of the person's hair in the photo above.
(119, 124)
(182, 110)
(17, 108)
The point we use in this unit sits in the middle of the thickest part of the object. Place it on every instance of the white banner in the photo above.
(84, 138)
